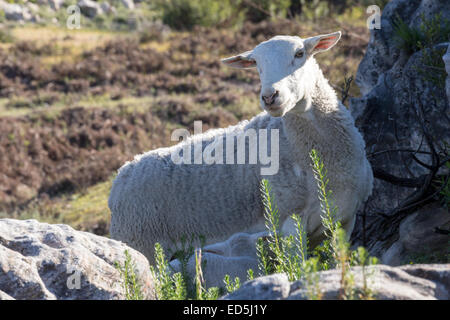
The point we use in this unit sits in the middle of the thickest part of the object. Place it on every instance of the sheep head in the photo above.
(283, 65)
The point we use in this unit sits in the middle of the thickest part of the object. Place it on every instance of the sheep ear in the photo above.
(321, 43)
(241, 61)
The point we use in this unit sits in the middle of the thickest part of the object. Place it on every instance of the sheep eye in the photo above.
(299, 54)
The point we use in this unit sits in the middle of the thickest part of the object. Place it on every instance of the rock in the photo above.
(129, 4)
(395, 84)
(4, 296)
(106, 7)
(381, 52)
(33, 7)
(415, 282)
(418, 238)
(89, 8)
(446, 59)
(16, 12)
(55, 4)
(233, 257)
(273, 287)
(45, 261)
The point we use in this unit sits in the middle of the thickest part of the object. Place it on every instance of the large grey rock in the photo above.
(90, 8)
(106, 7)
(45, 261)
(273, 287)
(233, 257)
(394, 85)
(418, 239)
(16, 12)
(415, 282)
(32, 7)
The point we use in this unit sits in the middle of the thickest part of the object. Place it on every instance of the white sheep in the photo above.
(154, 199)
(234, 257)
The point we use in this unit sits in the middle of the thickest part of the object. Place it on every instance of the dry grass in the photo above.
(69, 44)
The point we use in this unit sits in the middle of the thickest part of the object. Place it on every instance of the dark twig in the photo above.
(421, 163)
(402, 182)
(442, 231)
(373, 154)
(347, 84)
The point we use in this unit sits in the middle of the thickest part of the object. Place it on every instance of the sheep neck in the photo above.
(319, 121)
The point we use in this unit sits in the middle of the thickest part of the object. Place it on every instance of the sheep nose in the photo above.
(270, 98)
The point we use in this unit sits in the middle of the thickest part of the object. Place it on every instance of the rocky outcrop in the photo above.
(401, 99)
(45, 261)
(415, 282)
(418, 240)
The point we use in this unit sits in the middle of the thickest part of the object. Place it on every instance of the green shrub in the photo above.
(185, 14)
(406, 38)
(429, 33)
(424, 38)
(258, 10)
(167, 286)
(131, 285)
(314, 9)
(289, 254)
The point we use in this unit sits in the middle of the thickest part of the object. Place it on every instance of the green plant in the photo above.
(201, 292)
(170, 286)
(336, 243)
(185, 14)
(361, 257)
(406, 38)
(250, 274)
(315, 9)
(429, 33)
(167, 286)
(338, 253)
(258, 10)
(131, 285)
(231, 285)
(289, 254)
(311, 276)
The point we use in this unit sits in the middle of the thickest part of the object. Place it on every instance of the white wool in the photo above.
(155, 200)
